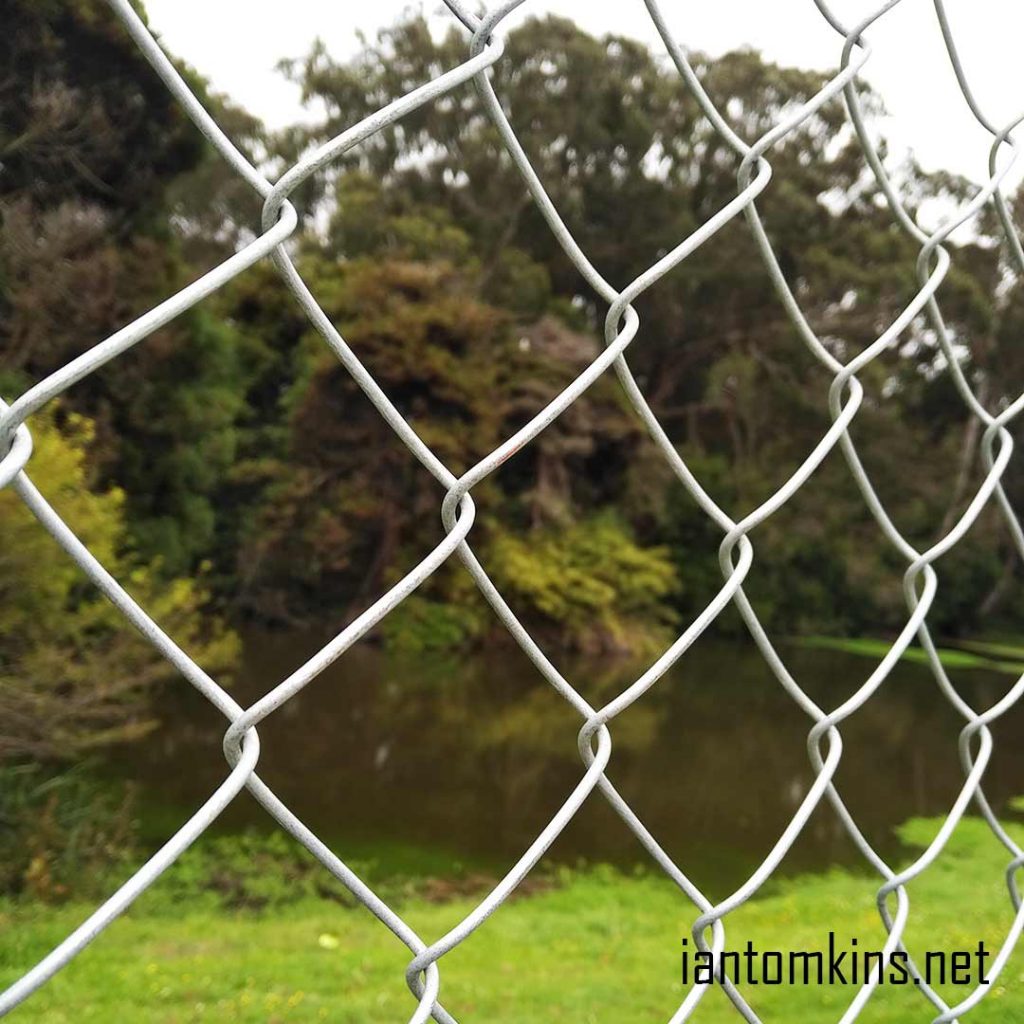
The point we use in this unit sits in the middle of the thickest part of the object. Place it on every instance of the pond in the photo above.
(472, 755)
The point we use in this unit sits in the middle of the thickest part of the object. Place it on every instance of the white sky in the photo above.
(236, 43)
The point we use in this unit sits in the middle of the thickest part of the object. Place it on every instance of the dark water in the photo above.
(474, 755)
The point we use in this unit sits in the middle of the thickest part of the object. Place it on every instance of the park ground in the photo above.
(588, 945)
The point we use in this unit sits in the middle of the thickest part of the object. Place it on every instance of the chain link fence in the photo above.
(736, 553)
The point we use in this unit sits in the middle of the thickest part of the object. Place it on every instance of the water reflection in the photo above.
(475, 754)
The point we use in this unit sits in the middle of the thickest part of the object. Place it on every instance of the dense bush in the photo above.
(74, 676)
(63, 835)
(592, 583)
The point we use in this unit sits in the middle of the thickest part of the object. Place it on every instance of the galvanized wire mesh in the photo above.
(622, 324)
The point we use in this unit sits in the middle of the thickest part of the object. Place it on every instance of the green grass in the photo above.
(1004, 659)
(599, 946)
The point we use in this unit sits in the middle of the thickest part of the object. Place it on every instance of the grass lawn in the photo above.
(600, 946)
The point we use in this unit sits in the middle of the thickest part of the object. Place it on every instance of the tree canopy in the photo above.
(236, 441)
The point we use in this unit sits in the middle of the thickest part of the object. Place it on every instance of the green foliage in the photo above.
(951, 658)
(85, 118)
(257, 872)
(100, 222)
(591, 582)
(62, 835)
(420, 625)
(333, 521)
(75, 676)
(248, 871)
(370, 219)
(171, 500)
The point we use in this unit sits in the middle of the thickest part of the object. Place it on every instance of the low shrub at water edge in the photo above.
(62, 833)
(71, 836)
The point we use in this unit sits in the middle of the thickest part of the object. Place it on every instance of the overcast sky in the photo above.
(236, 44)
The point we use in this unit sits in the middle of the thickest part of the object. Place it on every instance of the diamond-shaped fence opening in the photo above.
(622, 327)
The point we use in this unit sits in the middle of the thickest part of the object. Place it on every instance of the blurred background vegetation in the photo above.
(233, 476)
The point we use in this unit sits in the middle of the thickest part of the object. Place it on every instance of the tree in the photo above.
(74, 676)
(101, 169)
(633, 165)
